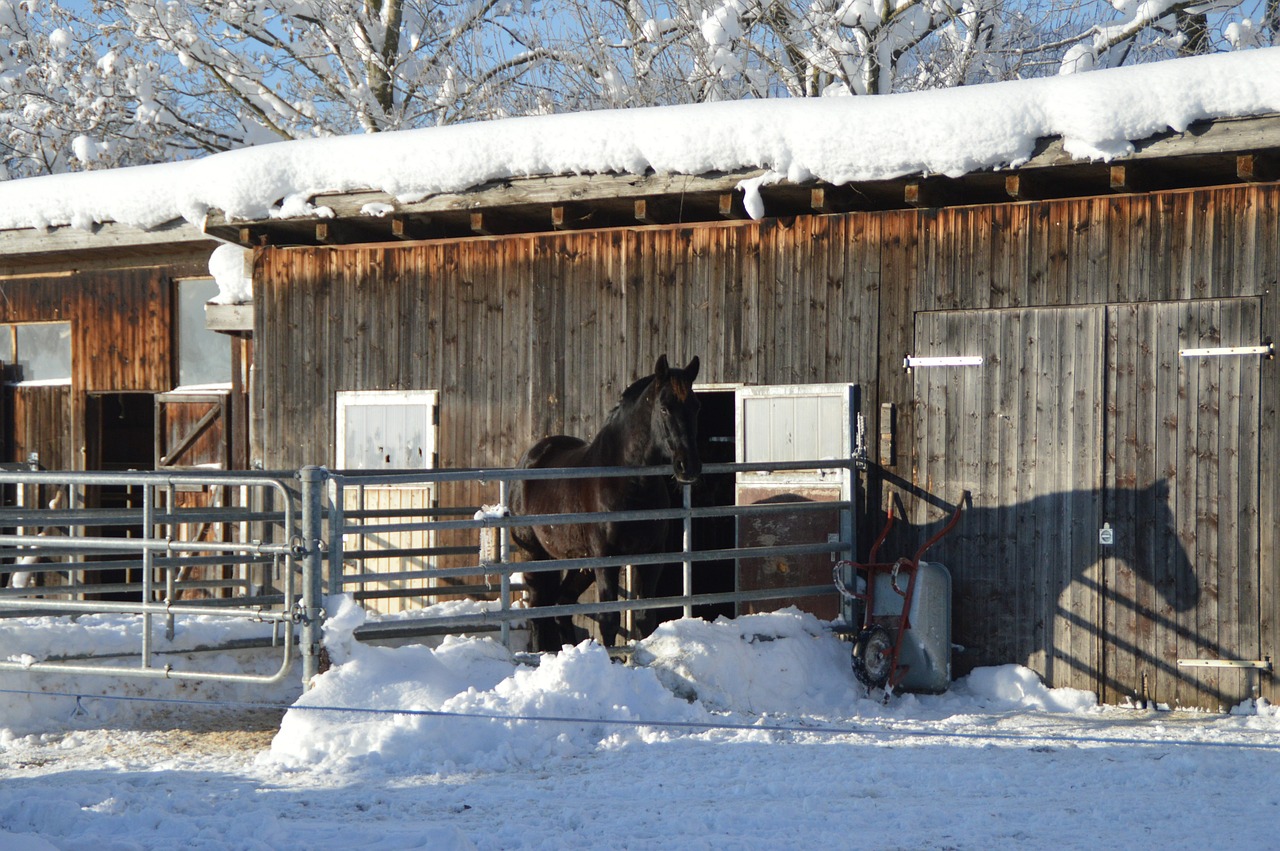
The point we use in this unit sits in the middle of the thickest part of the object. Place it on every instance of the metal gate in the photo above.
(139, 549)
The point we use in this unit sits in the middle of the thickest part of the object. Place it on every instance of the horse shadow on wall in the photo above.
(1033, 583)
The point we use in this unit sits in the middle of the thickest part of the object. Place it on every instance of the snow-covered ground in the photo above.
(749, 733)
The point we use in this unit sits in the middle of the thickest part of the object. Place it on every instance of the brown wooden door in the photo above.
(1114, 530)
(1182, 578)
(191, 431)
(41, 425)
(1022, 432)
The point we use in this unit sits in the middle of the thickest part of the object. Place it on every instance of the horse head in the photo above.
(1166, 556)
(674, 413)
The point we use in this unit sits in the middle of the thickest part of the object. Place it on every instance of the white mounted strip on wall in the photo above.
(1268, 349)
(1257, 664)
(912, 362)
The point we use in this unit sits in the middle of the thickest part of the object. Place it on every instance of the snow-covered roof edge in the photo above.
(1098, 115)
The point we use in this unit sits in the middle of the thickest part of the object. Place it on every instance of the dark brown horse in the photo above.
(655, 423)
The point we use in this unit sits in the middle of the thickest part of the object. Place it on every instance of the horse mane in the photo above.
(629, 397)
(632, 395)
(637, 388)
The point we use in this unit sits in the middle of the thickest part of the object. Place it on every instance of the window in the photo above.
(37, 352)
(386, 430)
(204, 356)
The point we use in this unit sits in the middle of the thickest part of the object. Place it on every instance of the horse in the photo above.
(655, 423)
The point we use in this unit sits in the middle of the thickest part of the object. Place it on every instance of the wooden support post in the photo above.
(324, 233)
(557, 217)
(641, 209)
(477, 224)
(818, 200)
(726, 206)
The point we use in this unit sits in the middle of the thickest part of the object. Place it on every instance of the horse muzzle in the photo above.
(686, 471)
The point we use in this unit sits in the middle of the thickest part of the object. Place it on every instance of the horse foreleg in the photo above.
(571, 587)
(544, 590)
(648, 577)
(607, 586)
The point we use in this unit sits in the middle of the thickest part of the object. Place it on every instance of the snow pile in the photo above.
(232, 269)
(472, 707)
(483, 698)
(768, 663)
(951, 131)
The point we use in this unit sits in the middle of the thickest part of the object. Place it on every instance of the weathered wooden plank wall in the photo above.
(531, 335)
(120, 340)
(528, 336)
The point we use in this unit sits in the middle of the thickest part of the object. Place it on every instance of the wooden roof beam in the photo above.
(1258, 167)
(574, 216)
(835, 199)
(346, 231)
(1026, 187)
(253, 237)
(730, 206)
(410, 227)
(659, 211)
(1129, 178)
(930, 192)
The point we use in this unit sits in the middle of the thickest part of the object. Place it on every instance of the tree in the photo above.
(65, 101)
(124, 81)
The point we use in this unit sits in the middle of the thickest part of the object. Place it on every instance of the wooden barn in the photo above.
(1086, 348)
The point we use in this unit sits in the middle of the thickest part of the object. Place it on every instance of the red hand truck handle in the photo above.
(955, 518)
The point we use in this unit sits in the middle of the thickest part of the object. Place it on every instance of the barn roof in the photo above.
(1190, 122)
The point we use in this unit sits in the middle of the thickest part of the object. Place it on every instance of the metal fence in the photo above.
(160, 546)
(485, 565)
(269, 547)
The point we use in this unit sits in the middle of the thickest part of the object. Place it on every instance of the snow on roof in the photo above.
(950, 131)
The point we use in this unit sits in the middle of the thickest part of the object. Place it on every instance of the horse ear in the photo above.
(692, 369)
(1160, 490)
(660, 370)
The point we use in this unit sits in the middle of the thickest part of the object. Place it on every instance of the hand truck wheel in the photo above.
(873, 657)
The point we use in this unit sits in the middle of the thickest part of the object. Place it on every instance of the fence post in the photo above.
(848, 536)
(504, 556)
(686, 548)
(337, 520)
(313, 480)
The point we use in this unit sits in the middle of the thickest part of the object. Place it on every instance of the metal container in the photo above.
(925, 648)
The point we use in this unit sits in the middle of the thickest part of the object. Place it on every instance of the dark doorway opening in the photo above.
(120, 430)
(717, 431)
